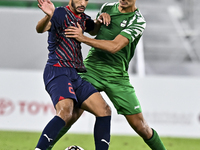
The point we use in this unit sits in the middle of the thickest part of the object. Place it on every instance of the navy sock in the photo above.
(102, 133)
(50, 132)
(60, 134)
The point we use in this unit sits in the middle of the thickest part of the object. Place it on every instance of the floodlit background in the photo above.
(165, 70)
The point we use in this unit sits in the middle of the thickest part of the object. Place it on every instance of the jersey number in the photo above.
(71, 90)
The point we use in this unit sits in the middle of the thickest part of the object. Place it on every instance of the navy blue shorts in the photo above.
(64, 82)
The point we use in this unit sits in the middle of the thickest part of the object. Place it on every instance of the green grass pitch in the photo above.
(13, 140)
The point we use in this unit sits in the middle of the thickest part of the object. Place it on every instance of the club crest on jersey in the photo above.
(123, 23)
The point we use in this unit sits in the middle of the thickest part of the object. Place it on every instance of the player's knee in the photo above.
(104, 111)
(108, 110)
(65, 113)
(64, 109)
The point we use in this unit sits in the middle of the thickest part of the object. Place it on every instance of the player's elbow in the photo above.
(38, 30)
(114, 49)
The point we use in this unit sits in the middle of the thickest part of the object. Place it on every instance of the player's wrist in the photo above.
(49, 15)
(98, 21)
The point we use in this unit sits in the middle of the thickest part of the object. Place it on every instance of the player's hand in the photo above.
(75, 32)
(46, 6)
(104, 18)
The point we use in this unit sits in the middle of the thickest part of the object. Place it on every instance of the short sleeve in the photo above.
(89, 24)
(135, 28)
(56, 19)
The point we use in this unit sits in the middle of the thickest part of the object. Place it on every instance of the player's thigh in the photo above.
(96, 105)
(60, 88)
(95, 102)
(123, 97)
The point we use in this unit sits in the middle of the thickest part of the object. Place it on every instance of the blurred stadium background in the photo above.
(165, 70)
(171, 40)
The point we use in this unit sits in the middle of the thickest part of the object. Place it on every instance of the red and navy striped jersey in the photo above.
(63, 51)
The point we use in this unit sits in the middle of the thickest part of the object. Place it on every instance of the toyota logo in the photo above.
(6, 107)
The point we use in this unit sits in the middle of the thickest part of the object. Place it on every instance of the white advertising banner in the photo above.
(26, 106)
(171, 105)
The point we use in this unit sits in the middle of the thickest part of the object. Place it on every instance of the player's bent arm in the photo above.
(44, 24)
(111, 46)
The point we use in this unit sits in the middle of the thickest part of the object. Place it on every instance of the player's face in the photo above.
(125, 4)
(79, 6)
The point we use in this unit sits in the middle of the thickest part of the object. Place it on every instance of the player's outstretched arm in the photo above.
(48, 8)
(103, 18)
(111, 46)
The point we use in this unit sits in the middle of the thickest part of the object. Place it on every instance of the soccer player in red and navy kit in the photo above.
(70, 94)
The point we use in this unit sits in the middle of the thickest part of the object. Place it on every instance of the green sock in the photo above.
(61, 133)
(155, 142)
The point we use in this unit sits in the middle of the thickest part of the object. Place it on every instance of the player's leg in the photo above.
(77, 112)
(82, 94)
(149, 135)
(138, 123)
(90, 99)
(64, 110)
(63, 100)
(97, 106)
(62, 132)
(122, 95)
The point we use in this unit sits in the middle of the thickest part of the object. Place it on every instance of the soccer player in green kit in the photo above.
(108, 60)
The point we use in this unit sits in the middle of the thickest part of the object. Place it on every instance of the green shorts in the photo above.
(118, 89)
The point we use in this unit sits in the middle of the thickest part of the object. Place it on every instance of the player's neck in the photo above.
(73, 10)
(127, 9)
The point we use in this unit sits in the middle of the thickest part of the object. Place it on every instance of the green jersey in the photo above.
(107, 71)
(130, 25)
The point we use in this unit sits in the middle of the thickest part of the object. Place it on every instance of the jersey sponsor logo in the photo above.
(103, 140)
(123, 23)
(49, 139)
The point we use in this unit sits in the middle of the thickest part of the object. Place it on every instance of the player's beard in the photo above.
(76, 8)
